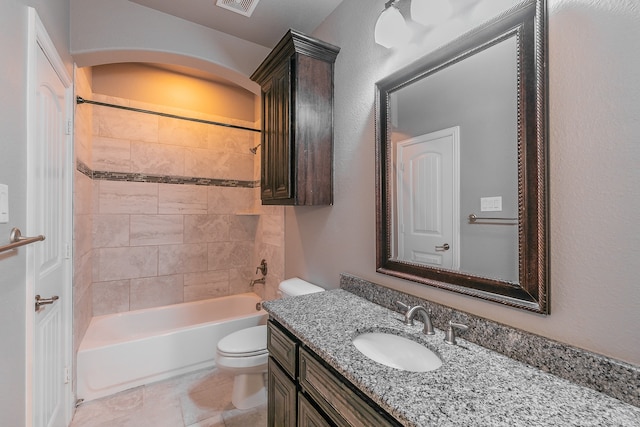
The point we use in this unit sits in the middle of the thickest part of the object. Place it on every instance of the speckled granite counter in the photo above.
(474, 387)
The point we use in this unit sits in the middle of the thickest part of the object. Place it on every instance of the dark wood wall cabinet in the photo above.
(297, 121)
(303, 391)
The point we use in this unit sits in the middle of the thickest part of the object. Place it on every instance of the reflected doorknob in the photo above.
(443, 248)
(44, 301)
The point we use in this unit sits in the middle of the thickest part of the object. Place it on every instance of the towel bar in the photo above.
(473, 219)
(16, 240)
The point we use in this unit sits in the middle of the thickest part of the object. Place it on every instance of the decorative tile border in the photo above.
(162, 179)
(84, 169)
(609, 376)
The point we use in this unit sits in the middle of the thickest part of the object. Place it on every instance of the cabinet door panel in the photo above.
(268, 136)
(276, 151)
(308, 416)
(281, 398)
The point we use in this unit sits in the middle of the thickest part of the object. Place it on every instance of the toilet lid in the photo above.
(246, 342)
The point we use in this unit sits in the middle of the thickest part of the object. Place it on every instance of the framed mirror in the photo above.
(461, 164)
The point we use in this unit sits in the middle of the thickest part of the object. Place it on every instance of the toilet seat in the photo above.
(244, 343)
(251, 354)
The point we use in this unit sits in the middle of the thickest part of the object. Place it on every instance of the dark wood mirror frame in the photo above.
(527, 21)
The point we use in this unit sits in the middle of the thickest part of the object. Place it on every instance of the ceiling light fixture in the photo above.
(391, 28)
(430, 12)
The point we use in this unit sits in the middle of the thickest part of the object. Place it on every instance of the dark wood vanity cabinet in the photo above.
(297, 121)
(303, 391)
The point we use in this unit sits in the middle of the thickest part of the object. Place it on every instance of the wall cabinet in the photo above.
(324, 397)
(297, 121)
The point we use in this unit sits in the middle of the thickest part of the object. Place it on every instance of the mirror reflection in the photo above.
(454, 150)
(461, 143)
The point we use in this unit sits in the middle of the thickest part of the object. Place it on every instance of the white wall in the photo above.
(104, 32)
(594, 59)
(13, 51)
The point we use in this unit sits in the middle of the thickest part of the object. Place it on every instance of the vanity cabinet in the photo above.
(296, 81)
(304, 391)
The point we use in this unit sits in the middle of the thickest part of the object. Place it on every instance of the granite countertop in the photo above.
(474, 386)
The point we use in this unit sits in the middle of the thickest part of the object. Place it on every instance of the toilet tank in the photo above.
(296, 286)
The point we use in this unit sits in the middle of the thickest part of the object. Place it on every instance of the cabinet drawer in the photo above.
(282, 348)
(341, 404)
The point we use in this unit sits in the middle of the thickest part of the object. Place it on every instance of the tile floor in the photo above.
(199, 399)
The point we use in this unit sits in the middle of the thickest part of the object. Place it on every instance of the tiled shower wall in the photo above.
(82, 213)
(157, 238)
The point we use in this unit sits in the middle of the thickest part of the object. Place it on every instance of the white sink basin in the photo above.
(397, 352)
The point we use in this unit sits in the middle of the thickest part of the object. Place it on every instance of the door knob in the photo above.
(443, 248)
(44, 301)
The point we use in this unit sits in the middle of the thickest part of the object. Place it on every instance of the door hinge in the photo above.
(69, 127)
(67, 375)
(67, 251)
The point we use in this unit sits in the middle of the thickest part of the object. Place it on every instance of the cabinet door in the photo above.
(308, 416)
(281, 398)
(276, 174)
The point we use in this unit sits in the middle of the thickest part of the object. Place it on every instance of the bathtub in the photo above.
(125, 350)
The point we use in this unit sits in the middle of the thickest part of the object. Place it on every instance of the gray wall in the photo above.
(13, 51)
(594, 157)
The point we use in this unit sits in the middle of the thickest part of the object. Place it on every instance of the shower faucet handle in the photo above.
(262, 268)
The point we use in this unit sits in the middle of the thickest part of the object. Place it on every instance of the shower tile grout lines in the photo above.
(198, 399)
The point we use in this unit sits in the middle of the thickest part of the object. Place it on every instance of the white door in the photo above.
(49, 211)
(428, 195)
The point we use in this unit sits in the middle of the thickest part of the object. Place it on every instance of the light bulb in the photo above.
(391, 29)
(430, 12)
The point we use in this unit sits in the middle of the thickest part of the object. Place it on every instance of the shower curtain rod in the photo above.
(80, 100)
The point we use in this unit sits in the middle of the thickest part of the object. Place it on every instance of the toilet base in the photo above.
(249, 390)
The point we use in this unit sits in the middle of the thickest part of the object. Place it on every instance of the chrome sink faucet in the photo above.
(411, 313)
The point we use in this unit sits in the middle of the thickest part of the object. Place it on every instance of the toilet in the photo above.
(244, 353)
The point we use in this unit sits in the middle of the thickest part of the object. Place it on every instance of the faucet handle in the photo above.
(404, 307)
(450, 333)
(262, 268)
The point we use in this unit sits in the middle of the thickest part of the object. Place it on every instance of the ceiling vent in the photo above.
(243, 7)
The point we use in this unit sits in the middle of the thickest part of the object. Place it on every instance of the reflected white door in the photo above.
(428, 199)
(49, 214)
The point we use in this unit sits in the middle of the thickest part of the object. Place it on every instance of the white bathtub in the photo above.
(125, 350)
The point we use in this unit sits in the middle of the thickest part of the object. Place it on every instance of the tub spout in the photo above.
(260, 280)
